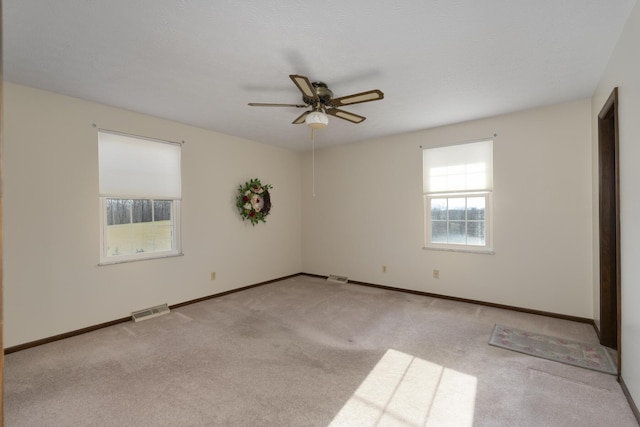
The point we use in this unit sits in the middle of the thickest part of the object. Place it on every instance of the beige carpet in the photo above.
(305, 352)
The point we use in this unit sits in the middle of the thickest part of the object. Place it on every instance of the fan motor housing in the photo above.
(324, 94)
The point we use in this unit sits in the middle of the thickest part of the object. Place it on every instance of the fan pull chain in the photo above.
(313, 162)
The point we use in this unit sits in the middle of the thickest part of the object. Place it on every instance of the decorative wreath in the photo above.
(254, 201)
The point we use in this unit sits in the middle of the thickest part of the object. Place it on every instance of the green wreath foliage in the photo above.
(254, 201)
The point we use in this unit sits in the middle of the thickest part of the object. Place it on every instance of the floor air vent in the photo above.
(337, 279)
(150, 312)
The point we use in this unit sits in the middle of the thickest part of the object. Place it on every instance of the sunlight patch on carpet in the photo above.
(590, 356)
(404, 390)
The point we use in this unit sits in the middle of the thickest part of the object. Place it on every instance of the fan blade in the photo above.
(300, 118)
(261, 104)
(357, 98)
(305, 86)
(346, 115)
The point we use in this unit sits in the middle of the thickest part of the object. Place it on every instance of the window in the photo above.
(140, 191)
(457, 185)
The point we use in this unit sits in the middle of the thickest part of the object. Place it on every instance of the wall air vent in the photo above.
(337, 279)
(150, 312)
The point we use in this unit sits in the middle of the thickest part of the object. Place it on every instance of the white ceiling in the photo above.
(200, 62)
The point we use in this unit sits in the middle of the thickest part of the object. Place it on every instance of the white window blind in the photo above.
(463, 167)
(133, 167)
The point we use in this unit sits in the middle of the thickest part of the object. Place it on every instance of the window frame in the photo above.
(488, 223)
(175, 199)
(176, 243)
(487, 192)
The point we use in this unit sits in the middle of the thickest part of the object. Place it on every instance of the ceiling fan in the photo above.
(319, 98)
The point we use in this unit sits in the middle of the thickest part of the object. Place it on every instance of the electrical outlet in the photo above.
(384, 268)
(213, 275)
(436, 274)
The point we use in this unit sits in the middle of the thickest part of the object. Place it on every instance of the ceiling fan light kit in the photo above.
(316, 120)
(319, 98)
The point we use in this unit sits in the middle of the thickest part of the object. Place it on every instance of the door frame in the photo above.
(1, 242)
(609, 224)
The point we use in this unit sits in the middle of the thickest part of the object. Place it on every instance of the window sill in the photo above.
(123, 261)
(470, 251)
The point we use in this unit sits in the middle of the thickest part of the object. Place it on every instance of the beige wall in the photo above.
(368, 212)
(623, 71)
(52, 281)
